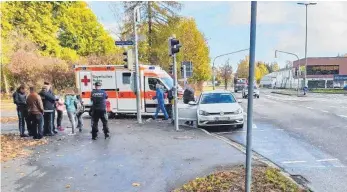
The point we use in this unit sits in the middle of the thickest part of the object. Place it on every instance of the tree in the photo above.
(260, 71)
(243, 68)
(225, 73)
(272, 67)
(51, 35)
(154, 15)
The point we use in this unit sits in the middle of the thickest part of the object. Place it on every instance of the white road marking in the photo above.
(254, 126)
(291, 162)
(341, 166)
(324, 111)
(321, 160)
(345, 116)
(309, 107)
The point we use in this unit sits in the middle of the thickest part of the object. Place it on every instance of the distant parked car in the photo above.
(255, 92)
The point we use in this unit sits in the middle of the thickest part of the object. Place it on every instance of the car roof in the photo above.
(216, 91)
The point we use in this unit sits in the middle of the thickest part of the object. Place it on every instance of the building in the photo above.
(321, 71)
(283, 79)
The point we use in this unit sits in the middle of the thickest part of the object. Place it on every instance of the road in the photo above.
(307, 136)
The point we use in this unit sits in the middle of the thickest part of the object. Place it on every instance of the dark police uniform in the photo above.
(98, 98)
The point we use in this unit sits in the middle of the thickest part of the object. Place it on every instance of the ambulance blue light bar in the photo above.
(151, 67)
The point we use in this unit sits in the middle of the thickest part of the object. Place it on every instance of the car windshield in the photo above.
(212, 98)
(168, 81)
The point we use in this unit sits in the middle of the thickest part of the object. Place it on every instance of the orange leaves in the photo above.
(13, 146)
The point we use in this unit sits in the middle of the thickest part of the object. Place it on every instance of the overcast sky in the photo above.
(280, 25)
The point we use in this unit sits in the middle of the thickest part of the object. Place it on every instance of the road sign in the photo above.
(189, 68)
(123, 43)
(340, 77)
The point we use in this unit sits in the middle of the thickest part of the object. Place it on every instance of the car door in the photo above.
(188, 112)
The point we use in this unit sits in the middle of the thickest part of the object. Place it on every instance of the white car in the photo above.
(256, 93)
(213, 108)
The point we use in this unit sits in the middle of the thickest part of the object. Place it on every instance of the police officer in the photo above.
(98, 98)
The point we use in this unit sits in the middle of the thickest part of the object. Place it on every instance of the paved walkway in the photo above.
(152, 155)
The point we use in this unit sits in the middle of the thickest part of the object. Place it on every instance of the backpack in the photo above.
(79, 106)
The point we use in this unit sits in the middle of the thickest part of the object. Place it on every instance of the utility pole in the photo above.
(174, 47)
(253, 34)
(137, 69)
(306, 6)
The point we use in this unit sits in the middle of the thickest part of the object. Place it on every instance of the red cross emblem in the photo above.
(85, 80)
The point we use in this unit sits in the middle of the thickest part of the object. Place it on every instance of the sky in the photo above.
(280, 25)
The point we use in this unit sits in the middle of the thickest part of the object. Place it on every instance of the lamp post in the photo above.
(298, 60)
(213, 68)
(306, 5)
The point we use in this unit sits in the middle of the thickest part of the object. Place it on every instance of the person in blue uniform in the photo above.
(161, 104)
(98, 98)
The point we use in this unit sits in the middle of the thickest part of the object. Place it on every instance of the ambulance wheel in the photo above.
(111, 115)
(90, 113)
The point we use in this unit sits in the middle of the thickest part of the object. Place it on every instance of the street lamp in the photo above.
(298, 60)
(213, 68)
(306, 5)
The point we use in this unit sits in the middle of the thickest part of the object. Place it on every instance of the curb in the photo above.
(280, 93)
(260, 158)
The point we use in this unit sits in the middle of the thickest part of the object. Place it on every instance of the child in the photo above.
(80, 111)
(60, 107)
(70, 100)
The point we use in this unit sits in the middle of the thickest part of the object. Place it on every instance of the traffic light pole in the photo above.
(176, 91)
(137, 72)
(253, 30)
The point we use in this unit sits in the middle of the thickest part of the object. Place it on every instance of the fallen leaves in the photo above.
(13, 146)
(67, 186)
(8, 119)
(264, 179)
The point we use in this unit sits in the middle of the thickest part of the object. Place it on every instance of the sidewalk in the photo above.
(149, 157)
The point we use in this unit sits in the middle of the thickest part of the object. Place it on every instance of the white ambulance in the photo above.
(118, 82)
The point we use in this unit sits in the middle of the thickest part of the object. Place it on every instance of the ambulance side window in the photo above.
(126, 78)
(152, 82)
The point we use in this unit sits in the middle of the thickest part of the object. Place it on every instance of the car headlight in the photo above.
(238, 111)
(202, 112)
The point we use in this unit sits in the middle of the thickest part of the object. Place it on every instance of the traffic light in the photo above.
(171, 69)
(125, 53)
(182, 71)
(174, 46)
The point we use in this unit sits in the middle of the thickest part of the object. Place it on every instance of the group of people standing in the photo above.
(37, 110)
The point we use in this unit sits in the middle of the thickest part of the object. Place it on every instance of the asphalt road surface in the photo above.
(307, 136)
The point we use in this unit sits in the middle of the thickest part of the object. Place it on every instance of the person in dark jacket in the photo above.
(188, 95)
(50, 90)
(19, 98)
(161, 104)
(48, 100)
(98, 98)
(35, 110)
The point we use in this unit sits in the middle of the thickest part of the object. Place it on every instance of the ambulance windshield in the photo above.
(167, 81)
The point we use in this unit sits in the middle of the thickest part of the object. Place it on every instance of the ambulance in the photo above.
(119, 83)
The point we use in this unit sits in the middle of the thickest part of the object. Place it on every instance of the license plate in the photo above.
(222, 118)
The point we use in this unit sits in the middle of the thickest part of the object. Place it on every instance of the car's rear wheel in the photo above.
(258, 96)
